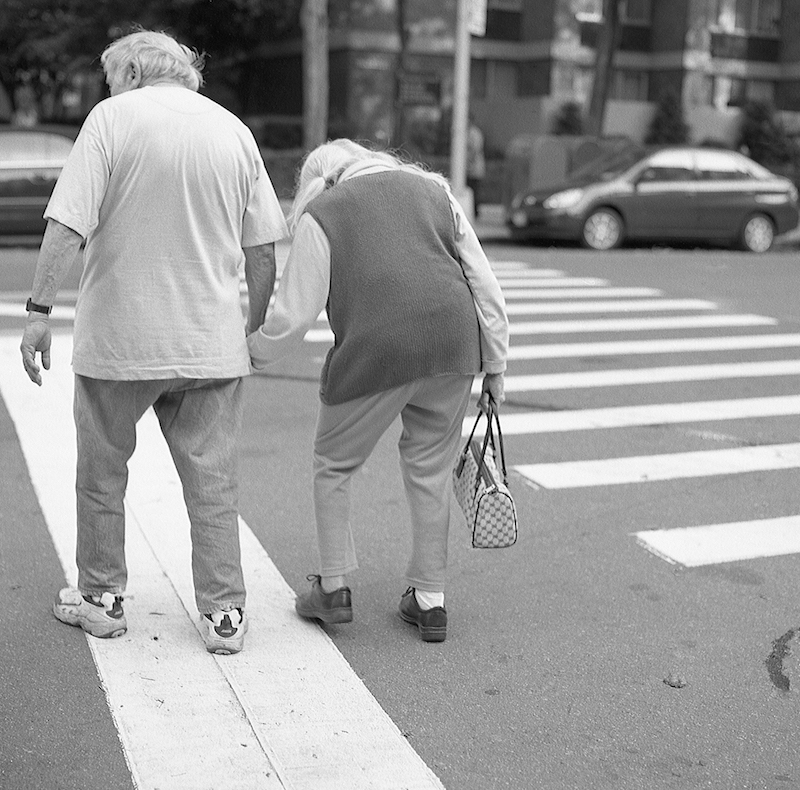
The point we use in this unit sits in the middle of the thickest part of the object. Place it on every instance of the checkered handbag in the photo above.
(482, 493)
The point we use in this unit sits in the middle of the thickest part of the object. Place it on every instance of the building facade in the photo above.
(391, 81)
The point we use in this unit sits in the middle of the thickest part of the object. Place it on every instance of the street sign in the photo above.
(477, 17)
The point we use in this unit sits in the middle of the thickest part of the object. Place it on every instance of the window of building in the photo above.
(734, 92)
(502, 79)
(634, 11)
(477, 79)
(760, 90)
(504, 20)
(728, 92)
(752, 16)
(629, 85)
(638, 11)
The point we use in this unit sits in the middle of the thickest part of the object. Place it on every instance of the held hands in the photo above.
(36, 338)
(493, 388)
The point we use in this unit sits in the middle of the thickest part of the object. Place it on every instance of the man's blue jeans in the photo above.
(200, 419)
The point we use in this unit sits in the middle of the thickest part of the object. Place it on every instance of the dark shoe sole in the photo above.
(329, 616)
(428, 633)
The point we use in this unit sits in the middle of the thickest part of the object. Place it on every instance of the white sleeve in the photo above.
(83, 181)
(486, 292)
(301, 296)
(263, 221)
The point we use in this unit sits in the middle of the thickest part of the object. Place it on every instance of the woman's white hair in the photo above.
(153, 57)
(338, 160)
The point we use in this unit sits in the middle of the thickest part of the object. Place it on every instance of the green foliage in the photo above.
(668, 126)
(568, 120)
(44, 43)
(763, 138)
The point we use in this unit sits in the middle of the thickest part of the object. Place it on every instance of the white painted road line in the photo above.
(578, 293)
(323, 335)
(636, 376)
(651, 414)
(14, 310)
(520, 266)
(663, 346)
(716, 543)
(670, 466)
(554, 282)
(638, 324)
(319, 336)
(287, 712)
(608, 306)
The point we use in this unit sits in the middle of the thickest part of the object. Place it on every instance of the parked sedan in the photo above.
(30, 162)
(671, 194)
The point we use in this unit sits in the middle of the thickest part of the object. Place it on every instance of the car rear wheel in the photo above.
(758, 233)
(603, 230)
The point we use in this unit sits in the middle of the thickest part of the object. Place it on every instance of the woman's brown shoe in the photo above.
(432, 623)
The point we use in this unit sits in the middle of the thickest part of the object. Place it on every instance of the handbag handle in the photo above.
(489, 437)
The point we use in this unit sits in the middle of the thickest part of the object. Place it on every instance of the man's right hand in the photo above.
(36, 338)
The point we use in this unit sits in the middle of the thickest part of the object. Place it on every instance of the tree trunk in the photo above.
(315, 72)
(607, 44)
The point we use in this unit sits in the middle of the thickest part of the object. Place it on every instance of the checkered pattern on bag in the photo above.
(495, 525)
(489, 511)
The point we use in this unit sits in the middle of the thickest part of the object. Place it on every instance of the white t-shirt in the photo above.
(166, 186)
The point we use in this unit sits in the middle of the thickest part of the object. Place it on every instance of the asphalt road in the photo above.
(576, 659)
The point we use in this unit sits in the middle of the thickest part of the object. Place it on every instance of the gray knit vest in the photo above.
(399, 305)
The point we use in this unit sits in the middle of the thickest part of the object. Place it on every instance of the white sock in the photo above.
(427, 600)
(331, 584)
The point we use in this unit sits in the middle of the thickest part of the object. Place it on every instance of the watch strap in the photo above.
(37, 308)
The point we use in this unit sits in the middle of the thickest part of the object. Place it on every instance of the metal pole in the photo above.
(458, 132)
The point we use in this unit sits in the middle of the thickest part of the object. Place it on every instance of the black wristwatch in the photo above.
(37, 308)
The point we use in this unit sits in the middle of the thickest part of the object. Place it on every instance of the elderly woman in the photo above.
(416, 313)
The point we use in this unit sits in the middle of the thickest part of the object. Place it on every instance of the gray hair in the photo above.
(154, 57)
(338, 160)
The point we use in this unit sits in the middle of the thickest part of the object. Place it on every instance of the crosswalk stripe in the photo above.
(319, 336)
(555, 282)
(670, 466)
(659, 346)
(718, 543)
(608, 306)
(578, 293)
(651, 414)
(521, 270)
(502, 266)
(537, 382)
(60, 312)
(287, 712)
(637, 324)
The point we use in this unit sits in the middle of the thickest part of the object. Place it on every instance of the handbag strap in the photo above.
(494, 412)
(492, 416)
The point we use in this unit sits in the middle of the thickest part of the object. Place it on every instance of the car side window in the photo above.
(668, 166)
(657, 174)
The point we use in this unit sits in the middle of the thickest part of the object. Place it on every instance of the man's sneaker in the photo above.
(223, 631)
(432, 623)
(332, 607)
(103, 617)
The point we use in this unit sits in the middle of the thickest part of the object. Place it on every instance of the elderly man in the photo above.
(169, 192)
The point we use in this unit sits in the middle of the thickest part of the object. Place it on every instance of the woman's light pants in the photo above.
(432, 411)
